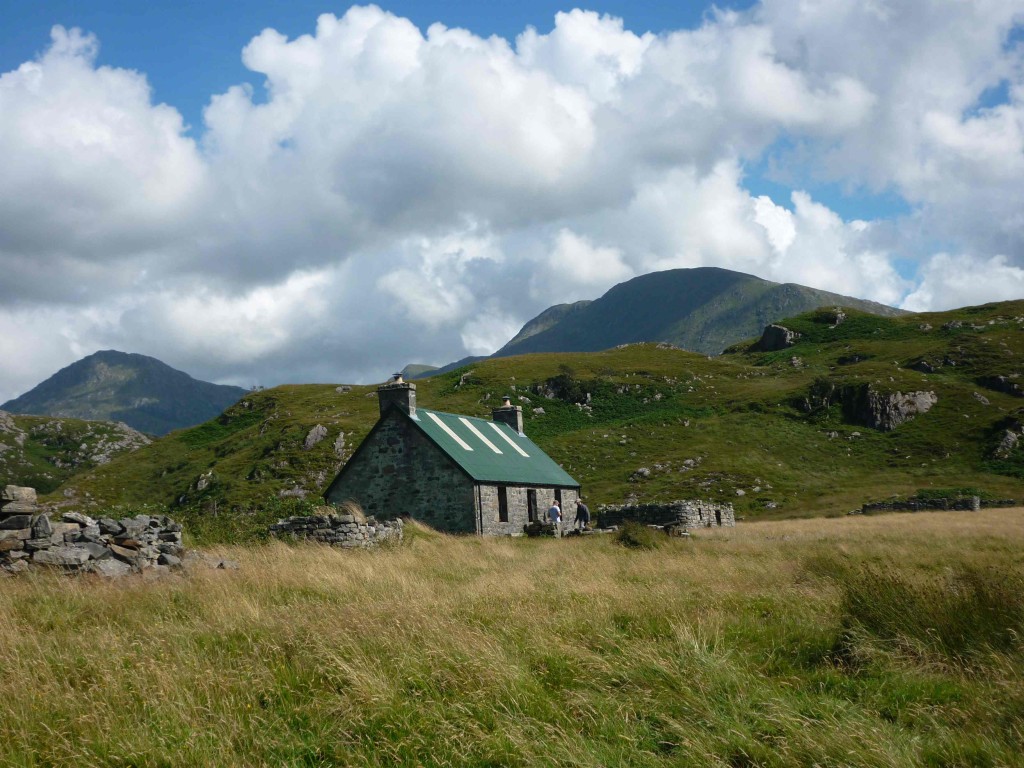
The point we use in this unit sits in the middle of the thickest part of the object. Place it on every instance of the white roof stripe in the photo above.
(472, 428)
(450, 432)
(508, 440)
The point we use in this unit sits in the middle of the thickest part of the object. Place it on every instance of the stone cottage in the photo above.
(459, 474)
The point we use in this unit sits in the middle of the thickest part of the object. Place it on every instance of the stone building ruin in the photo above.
(458, 474)
(683, 514)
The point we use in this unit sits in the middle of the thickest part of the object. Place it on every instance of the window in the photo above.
(502, 504)
(531, 505)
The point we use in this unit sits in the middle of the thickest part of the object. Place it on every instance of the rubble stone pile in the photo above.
(340, 530)
(80, 543)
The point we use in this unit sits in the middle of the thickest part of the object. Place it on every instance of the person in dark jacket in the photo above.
(582, 519)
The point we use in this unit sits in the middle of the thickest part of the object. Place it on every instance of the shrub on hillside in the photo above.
(637, 536)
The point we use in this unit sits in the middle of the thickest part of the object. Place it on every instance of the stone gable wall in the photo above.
(686, 513)
(399, 472)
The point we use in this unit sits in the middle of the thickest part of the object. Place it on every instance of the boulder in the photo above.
(63, 557)
(42, 527)
(12, 522)
(9, 545)
(776, 337)
(129, 556)
(110, 526)
(316, 434)
(18, 494)
(59, 529)
(77, 517)
(96, 551)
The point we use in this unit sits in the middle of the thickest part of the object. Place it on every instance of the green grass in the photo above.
(731, 428)
(882, 641)
(44, 452)
(636, 536)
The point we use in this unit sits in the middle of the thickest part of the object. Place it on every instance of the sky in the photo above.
(265, 193)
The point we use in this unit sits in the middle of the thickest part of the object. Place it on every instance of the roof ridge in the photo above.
(458, 415)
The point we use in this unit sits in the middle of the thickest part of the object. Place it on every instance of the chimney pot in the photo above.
(509, 414)
(397, 392)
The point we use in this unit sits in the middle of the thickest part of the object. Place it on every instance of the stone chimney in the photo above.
(509, 414)
(398, 392)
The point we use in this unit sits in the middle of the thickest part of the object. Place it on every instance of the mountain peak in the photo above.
(702, 309)
(141, 391)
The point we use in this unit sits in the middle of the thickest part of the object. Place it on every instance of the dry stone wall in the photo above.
(687, 514)
(970, 503)
(78, 542)
(339, 530)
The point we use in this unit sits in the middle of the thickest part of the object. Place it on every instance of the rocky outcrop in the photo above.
(887, 410)
(1004, 384)
(864, 404)
(340, 530)
(776, 337)
(56, 448)
(1007, 443)
(106, 547)
(316, 434)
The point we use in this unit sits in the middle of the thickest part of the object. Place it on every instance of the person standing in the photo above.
(555, 517)
(582, 519)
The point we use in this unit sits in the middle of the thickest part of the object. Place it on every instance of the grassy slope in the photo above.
(881, 641)
(43, 452)
(737, 417)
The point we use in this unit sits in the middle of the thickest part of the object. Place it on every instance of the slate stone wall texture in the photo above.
(488, 508)
(971, 503)
(340, 530)
(687, 513)
(77, 542)
(399, 472)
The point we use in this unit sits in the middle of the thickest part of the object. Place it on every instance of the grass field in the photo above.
(879, 641)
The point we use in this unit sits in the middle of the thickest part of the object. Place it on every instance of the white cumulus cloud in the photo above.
(389, 195)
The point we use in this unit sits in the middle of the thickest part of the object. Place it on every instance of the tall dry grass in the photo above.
(739, 647)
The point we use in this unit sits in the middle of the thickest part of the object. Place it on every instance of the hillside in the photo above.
(140, 391)
(43, 452)
(777, 433)
(702, 310)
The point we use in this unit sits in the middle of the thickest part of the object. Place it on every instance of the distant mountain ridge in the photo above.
(141, 391)
(705, 309)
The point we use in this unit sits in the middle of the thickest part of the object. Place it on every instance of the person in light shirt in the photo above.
(555, 518)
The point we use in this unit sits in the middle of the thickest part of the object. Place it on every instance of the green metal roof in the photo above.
(490, 451)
